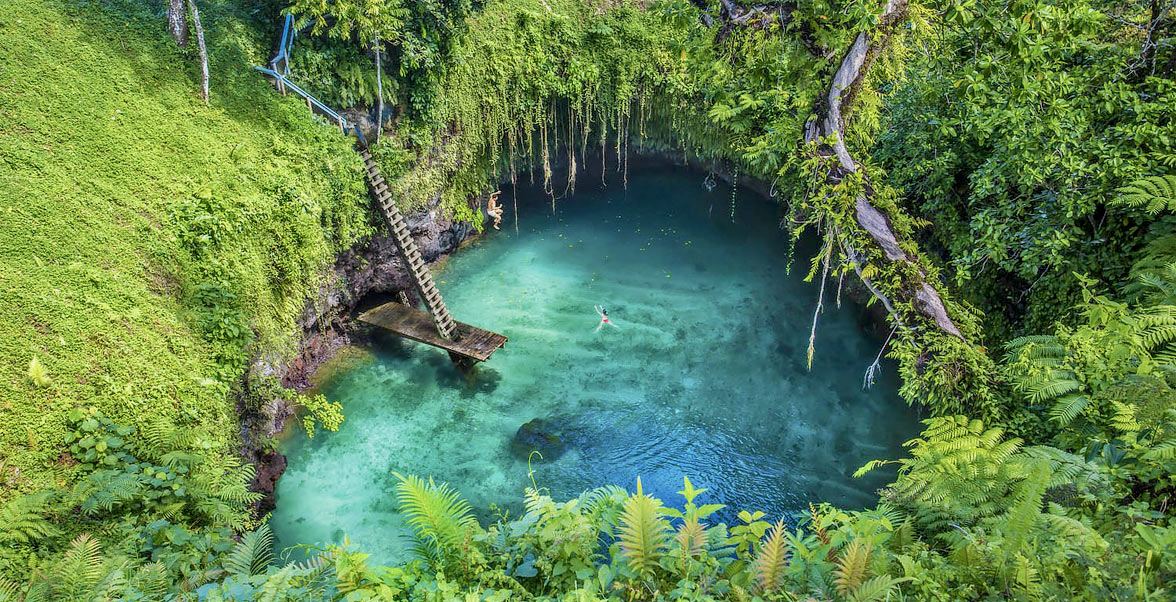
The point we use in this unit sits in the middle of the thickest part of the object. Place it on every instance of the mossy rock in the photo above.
(541, 435)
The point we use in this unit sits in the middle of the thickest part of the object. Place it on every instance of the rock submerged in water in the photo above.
(539, 435)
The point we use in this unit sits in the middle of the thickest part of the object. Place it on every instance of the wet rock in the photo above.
(539, 435)
(270, 466)
(372, 268)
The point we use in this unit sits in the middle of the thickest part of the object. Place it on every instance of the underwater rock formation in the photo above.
(541, 435)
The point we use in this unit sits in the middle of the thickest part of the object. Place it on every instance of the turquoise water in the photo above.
(703, 376)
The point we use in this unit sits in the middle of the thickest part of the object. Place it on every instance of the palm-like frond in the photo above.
(252, 554)
(772, 559)
(878, 588)
(644, 533)
(439, 517)
(9, 591)
(852, 567)
(80, 568)
(1153, 193)
(1017, 523)
(691, 537)
(22, 520)
(1068, 407)
(1051, 385)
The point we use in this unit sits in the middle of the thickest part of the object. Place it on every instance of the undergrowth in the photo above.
(151, 244)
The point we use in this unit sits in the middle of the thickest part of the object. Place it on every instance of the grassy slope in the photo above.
(120, 192)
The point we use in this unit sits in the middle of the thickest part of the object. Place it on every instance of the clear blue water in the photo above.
(703, 376)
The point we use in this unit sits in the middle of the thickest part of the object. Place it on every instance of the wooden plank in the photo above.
(412, 323)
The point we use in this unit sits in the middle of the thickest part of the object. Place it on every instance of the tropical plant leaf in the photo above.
(252, 554)
(643, 533)
(1153, 193)
(439, 517)
(772, 559)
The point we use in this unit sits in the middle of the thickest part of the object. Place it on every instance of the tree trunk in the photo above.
(177, 22)
(379, 93)
(203, 50)
(826, 131)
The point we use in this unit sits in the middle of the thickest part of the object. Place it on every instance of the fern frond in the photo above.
(1055, 384)
(275, 588)
(81, 566)
(878, 588)
(643, 532)
(771, 559)
(1162, 452)
(439, 517)
(152, 579)
(9, 591)
(252, 554)
(1153, 193)
(691, 537)
(1068, 407)
(852, 567)
(1017, 523)
(1078, 532)
(22, 520)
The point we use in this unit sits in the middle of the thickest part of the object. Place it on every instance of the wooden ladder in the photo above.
(406, 246)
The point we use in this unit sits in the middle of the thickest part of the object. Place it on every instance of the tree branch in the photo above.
(827, 132)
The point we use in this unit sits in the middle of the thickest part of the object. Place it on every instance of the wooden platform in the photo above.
(412, 323)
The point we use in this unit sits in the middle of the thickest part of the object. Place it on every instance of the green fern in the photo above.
(9, 591)
(878, 588)
(1068, 407)
(1026, 578)
(439, 517)
(252, 554)
(23, 521)
(1019, 521)
(1153, 193)
(38, 374)
(772, 559)
(277, 585)
(852, 568)
(691, 537)
(643, 533)
(79, 569)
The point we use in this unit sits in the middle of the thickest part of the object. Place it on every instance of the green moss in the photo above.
(148, 237)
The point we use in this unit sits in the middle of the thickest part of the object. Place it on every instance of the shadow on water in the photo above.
(704, 373)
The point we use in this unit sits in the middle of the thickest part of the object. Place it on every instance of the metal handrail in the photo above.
(284, 46)
(303, 93)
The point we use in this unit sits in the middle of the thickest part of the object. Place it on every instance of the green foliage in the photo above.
(148, 290)
(252, 554)
(1154, 194)
(442, 521)
(38, 374)
(643, 533)
(1014, 127)
(23, 519)
(151, 244)
(320, 411)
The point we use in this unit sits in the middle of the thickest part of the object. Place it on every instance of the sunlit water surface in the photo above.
(705, 374)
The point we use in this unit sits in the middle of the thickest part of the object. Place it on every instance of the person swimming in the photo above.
(603, 313)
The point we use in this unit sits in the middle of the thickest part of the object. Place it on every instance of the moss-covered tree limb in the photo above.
(827, 132)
